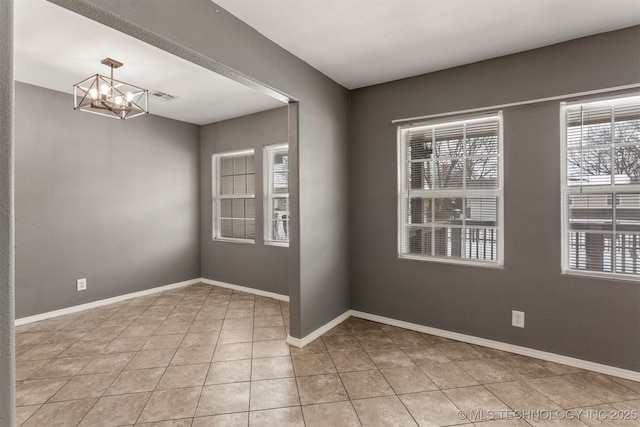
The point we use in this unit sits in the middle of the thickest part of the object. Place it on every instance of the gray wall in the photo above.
(256, 265)
(7, 253)
(206, 34)
(587, 318)
(114, 201)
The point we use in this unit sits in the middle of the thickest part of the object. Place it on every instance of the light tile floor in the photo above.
(208, 356)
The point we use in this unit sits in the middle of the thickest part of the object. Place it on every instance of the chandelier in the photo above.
(109, 97)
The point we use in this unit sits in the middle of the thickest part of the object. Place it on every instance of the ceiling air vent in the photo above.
(162, 96)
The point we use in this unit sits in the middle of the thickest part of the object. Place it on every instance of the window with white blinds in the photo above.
(601, 188)
(450, 191)
(276, 216)
(234, 212)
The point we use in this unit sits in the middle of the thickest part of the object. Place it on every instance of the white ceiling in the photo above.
(355, 42)
(56, 48)
(364, 42)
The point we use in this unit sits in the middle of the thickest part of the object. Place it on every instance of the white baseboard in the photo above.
(524, 351)
(259, 292)
(301, 342)
(100, 303)
(119, 298)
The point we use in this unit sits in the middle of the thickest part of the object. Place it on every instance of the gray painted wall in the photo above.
(7, 230)
(587, 318)
(256, 265)
(116, 202)
(208, 35)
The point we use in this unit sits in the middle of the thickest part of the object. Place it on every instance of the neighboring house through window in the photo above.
(601, 188)
(277, 194)
(233, 186)
(450, 190)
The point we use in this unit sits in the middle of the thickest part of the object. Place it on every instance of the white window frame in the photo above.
(268, 159)
(404, 194)
(606, 191)
(217, 196)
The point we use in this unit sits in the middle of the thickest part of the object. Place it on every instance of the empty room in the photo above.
(320, 212)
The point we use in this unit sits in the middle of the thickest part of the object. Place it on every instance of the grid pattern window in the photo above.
(234, 196)
(450, 191)
(277, 194)
(601, 188)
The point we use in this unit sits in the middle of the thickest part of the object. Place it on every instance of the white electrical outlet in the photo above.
(517, 318)
(81, 284)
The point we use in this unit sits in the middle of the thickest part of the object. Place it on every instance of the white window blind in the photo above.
(601, 188)
(277, 194)
(234, 196)
(450, 190)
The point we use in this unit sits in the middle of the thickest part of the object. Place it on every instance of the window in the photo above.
(234, 210)
(601, 188)
(450, 191)
(277, 194)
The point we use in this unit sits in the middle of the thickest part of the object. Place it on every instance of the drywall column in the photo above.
(204, 33)
(7, 226)
(295, 316)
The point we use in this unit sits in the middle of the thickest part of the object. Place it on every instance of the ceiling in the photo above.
(364, 42)
(56, 48)
(355, 42)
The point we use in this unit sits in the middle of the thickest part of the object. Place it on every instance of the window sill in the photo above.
(463, 262)
(275, 243)
(231, 240)
(601, 275)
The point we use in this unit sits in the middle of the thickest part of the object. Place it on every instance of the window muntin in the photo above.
(234, 196)
(601, 188)
(277, 194)
(450, 191)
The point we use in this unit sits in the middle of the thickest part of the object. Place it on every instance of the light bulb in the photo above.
(93, 93)
(130, 96)
(118, 100)
(104, 89)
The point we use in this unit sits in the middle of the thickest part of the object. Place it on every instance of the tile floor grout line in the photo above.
(371, 341)
(204, 381)
(251, 370)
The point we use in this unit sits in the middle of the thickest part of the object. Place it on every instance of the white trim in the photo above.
(235, 240)
(296, 342)
(568, 190)
(564, 205)
(524, 351)
(235, 152)
(217, 197)
(475, 118)
(258, 292)
(268, 164)
(278, 243)
(301, 342)
(601, 275)
(100, 303)
(405, 194)
(120, 298)
(469, 262)
(609, 100)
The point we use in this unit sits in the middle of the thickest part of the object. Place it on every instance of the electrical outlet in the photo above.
(517, 318)
(81, 284)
